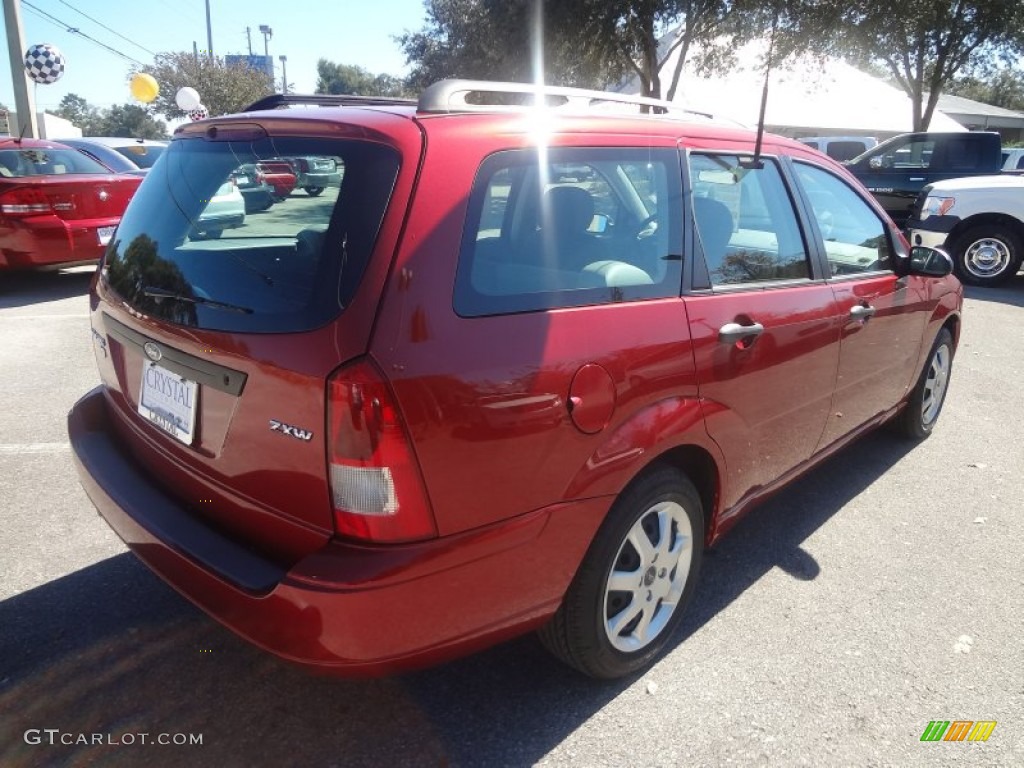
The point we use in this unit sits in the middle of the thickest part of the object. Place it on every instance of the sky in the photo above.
(343, 31)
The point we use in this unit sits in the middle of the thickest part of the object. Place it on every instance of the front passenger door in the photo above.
(883, 316)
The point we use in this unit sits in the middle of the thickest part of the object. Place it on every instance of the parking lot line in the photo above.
(10, 449)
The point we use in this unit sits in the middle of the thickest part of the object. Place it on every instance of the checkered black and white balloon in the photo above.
(199, 113)
(44, 63)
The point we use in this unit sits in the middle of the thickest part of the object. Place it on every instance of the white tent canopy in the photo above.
(806, 96)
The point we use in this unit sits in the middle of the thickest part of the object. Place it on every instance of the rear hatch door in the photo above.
(216, 353)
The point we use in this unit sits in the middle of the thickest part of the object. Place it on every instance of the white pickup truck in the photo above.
(978, 220)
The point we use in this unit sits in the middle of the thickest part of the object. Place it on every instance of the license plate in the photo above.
(241, 179)
(168, 401)
(105, 233)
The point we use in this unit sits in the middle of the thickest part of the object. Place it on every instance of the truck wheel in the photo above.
(313, 191)
(987, 254)
(630, 592)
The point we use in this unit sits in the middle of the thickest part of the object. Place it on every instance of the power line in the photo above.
(95, 21)
(76, 31)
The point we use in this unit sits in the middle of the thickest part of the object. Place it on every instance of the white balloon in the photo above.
(187, 98)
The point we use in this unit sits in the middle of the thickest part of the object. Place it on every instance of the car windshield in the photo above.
(291, 265)
(43, 161)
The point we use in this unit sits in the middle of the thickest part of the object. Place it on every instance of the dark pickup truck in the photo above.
(897, 170)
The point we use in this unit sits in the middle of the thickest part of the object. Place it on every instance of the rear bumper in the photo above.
(47, 241)
(347, 609)
(319, 179)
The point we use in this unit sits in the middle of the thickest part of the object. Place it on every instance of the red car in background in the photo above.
(58, 207)
(279, 175)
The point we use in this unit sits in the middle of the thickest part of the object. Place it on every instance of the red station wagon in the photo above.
(516, 372)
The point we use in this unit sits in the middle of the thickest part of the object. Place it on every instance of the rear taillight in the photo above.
(376, 487)
(25, 201)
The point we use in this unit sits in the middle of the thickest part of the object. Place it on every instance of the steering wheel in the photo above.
(647, 228)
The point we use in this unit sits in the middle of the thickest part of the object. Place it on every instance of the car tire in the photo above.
(313, 191)
(987, 254)
(623, 606)
(918, 418)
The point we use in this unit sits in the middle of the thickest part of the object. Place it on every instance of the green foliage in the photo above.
(493, 40)
(128, 120)
(1003, 88)
(587, 43)
(223, 90)
(351, 79)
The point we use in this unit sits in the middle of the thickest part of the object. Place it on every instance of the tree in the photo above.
(1004, 88)
(493, 40)
(223, 90)
(587, 43)
(922, 44)
(643, 35)
(79, 112)
(349, 78)
(131, 121)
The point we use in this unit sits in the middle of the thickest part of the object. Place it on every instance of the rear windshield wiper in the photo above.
(161, 293)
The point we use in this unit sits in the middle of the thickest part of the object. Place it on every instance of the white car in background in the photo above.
(226, 210)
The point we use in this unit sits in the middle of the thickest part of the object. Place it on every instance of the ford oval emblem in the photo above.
(153, 351)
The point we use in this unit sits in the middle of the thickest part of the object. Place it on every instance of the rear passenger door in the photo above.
(762, 319)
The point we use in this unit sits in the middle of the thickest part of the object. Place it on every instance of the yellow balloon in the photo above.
(144, 87)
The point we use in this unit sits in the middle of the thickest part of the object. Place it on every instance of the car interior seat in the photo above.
(715, 228)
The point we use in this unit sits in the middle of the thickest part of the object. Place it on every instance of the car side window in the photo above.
(570, 227)
(911, 154)
(746, 222)
(856, 239)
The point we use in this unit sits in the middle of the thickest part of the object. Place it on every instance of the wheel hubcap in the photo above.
(935, 385)
(987, 257)
(648, 576)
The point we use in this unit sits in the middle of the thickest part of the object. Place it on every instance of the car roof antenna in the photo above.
(755, 162)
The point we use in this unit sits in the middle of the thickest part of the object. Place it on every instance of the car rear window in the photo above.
(46, 162)
(571, 227)
(284, 267)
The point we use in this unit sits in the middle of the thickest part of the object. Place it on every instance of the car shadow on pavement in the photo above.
(23, 289)
(1012, 293)
(110, 650)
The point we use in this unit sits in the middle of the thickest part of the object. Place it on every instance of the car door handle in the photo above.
(733, 332)
(862, 311)
(916, 178)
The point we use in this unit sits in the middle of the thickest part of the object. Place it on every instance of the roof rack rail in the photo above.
(451, 96)
(277, 100)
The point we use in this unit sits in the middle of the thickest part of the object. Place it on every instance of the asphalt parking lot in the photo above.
(883, 591)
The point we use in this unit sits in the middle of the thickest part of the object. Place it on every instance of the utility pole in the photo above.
(248, 37)
(284, 74)
(209, 32)
(24, 99)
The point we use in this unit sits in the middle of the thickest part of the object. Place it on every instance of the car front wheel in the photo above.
(313, 191)
(922, 411)
(988, 254)
(630, 592)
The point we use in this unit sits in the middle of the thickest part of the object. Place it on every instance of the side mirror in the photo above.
(929, 262)
(876, 163)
